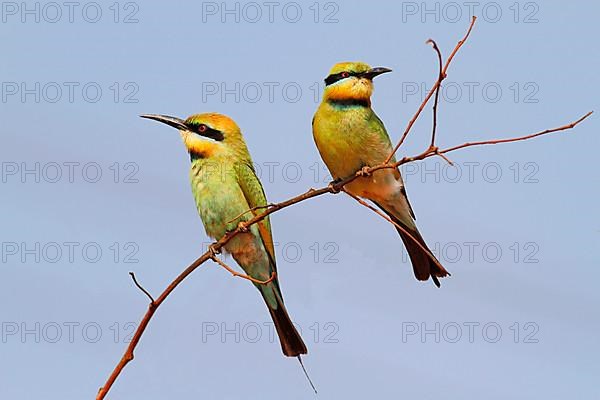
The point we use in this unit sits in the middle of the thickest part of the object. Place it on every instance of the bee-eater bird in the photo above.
(225, 187)
(350, 136)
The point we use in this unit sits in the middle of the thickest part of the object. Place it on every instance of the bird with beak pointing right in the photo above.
(350, 136)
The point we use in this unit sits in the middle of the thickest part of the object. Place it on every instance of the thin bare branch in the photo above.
(445, 158)
(437, 90)
(152, 307)
(141, 287)
(517, 139)
(235, 273)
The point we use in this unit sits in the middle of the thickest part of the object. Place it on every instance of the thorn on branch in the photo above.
(152, 302)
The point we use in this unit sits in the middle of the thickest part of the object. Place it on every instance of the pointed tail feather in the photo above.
(424, 263)
(291, 342)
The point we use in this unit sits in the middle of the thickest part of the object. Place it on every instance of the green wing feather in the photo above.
(379, 128)
(255, 197)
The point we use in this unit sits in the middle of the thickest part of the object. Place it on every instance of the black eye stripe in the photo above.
(336, 77)
(208, 132)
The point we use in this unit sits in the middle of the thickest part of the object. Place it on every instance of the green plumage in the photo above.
(223, 190)
(227, 191)
(350, 136)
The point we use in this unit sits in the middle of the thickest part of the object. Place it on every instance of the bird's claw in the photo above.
(243, 227)
(333, 188)
(364, 171)
(213, 250)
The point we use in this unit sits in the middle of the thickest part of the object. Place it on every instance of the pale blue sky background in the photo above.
(543, 207)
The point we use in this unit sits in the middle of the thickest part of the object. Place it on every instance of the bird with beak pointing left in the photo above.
(225, 187)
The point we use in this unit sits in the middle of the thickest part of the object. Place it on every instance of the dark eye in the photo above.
(202, 128)
(345, 74)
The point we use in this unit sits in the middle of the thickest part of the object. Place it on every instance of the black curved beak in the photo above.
(373, 72)
(175, 122)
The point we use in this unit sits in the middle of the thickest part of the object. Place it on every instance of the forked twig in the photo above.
(433, 90)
